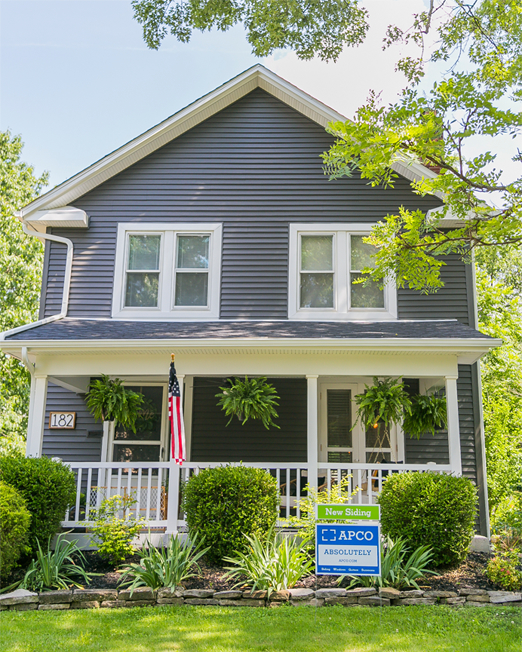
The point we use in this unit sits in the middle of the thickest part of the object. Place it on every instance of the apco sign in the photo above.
(348, 548)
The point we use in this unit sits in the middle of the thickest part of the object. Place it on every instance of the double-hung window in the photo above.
(326, 277)
(167, 271)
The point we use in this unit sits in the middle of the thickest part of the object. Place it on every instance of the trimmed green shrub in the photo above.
(14, 528)
(48, 488)
(430, 509)
(227, 502)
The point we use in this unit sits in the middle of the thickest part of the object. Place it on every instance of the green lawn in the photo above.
(288, 629)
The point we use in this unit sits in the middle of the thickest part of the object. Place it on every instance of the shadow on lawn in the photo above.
(288, 629)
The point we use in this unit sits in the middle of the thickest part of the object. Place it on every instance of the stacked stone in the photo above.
(22, 600)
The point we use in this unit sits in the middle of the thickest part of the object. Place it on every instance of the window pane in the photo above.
(362, 253)
(142, 290)
(135, 453)
(316, 290)
(191, 289)
(148, 423)
(376, 435)
(193, 251)
(144, 252)
(339, 410)
(366, 296)
(343, 457)
(316, 252)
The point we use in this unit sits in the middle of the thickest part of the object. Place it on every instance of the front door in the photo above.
(148, 443)
(340, 441)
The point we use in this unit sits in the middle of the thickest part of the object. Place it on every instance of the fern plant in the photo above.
(427, 413)
(109, 400)
(252, 398)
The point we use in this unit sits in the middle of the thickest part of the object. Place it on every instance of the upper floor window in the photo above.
(326, 263)
(167, 271)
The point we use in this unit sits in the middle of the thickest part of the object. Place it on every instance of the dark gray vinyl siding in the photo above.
(434, 448)
(255, 167)
(54, 273)
(467, 422)
(83, 444)
(214, 441)
(450, 302)
(428, 448)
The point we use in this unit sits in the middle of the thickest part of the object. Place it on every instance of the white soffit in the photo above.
(182, 121)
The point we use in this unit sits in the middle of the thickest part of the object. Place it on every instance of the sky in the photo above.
(77, 80)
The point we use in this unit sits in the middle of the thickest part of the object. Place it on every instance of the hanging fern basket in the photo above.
(251, 398)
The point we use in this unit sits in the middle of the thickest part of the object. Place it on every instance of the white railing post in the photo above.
(311, 429)
(173, 499)
(36, 423)
(453, 425)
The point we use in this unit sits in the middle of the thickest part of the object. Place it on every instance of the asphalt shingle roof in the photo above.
(109, 329)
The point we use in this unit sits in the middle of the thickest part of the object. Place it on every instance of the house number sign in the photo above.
(62, 420)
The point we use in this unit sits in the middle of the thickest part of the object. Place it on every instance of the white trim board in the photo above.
(256, 77)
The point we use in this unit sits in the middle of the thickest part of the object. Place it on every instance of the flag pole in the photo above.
(174, 469)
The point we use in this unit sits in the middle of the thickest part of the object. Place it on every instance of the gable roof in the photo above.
(256, 77)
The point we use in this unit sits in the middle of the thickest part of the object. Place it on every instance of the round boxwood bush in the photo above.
(430, 509)
(14, 528)
(224, 503)
(48, 488)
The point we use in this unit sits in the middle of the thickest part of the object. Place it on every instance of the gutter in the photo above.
(66, 282)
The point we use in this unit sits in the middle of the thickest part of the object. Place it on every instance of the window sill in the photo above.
(354, 315)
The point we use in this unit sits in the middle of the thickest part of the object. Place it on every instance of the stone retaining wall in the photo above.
(22, 600)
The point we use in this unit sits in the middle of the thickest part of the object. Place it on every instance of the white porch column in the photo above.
(453, 424)
(36, 423)
(174, 473)
(311, 429)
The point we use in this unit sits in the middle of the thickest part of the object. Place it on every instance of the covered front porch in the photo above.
(317, 369)
(317, 443)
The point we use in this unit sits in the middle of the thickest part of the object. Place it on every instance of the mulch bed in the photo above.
(470, 574)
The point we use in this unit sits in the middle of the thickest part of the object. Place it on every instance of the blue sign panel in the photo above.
(347, 549)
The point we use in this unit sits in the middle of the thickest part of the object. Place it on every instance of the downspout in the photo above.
(66, 282)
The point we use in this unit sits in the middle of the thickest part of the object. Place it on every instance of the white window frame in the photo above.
(342, 269)
(166, 310)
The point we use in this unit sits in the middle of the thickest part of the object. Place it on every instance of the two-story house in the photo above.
(217, 236)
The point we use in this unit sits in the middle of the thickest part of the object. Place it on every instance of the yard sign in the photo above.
(347, 548)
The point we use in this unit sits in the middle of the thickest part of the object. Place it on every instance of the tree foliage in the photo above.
(478, 96)
(499, 284)
(309, 27)
(21, 258)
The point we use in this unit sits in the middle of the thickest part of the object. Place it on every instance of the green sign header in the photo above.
(349, 512)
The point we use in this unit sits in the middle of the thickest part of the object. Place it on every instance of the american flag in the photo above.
(177, 428)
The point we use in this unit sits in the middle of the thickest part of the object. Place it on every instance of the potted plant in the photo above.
(252, 398)
(427, 413)
(387, 402)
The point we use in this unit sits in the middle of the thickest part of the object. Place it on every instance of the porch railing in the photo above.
(156, 486)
